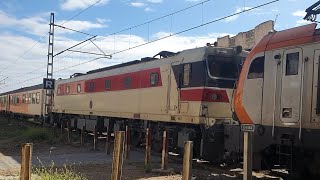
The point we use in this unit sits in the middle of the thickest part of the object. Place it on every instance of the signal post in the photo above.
(248, 130)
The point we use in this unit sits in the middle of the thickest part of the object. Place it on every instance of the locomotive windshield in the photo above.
(223, 67)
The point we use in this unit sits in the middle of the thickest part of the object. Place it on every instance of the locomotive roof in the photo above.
(289, 37)
(131, 62)
(188, 55)
(24, 89)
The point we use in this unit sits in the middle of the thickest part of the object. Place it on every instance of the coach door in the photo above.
(291, 86)
(174, 86)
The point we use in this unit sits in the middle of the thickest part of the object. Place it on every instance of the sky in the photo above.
(24, 25)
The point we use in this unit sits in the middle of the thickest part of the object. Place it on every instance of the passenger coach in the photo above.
(24, 102)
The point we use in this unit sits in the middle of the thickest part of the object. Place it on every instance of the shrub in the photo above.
(54, 173)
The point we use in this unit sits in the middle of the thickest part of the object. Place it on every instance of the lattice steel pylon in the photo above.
(49, 93)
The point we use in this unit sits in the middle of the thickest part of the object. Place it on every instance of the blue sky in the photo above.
(24, 22)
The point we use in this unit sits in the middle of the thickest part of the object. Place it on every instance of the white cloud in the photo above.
(299, 13)
(235, 17)
(102, 20)
(13, 46)
(82, 25)
(147, 9)
(302, 22)
(155, 1)
(137, 4)
(38, 25)
(79, 4)
(192, 0)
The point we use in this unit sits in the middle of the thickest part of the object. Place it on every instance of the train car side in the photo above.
(24, 102)
(278, 92)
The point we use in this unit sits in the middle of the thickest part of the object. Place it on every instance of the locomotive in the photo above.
(187, 93)
(278, 91)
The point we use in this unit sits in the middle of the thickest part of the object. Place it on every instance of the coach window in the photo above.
(67, 89)
(127, 82)
(33, 98)
(29, 98)
(107, 84)
(59, 90)
(18, 99)
(23, 98)
(154, 78)
(91, 86)
(256, 68)
(292, 64)
(38, 98)
(186, 74)
(78, 88)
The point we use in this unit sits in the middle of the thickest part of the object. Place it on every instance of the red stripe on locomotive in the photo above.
(139, 79)
(208, 95)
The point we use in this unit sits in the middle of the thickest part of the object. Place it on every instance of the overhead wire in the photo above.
(183, 31)
(99, 37)
(165, 37)
(45, 35)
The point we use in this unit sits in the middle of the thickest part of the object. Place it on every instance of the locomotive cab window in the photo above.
(154, 78)
(186, 74)
(292, 64)
(78, 88)
(107, 84)
(256, 69)
(222, 67)
(127, 82)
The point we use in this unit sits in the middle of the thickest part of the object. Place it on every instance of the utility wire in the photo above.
(180, 32)
(81, 12)
(153, 20)
(56, 25)
(165, 37)
(116, 32)
(26, 52)
(45, 35)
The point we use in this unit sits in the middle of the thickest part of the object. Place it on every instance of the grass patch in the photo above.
(38, 134)
(54, 173)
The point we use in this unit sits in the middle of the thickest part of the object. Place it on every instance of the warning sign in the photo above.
(48, 83)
